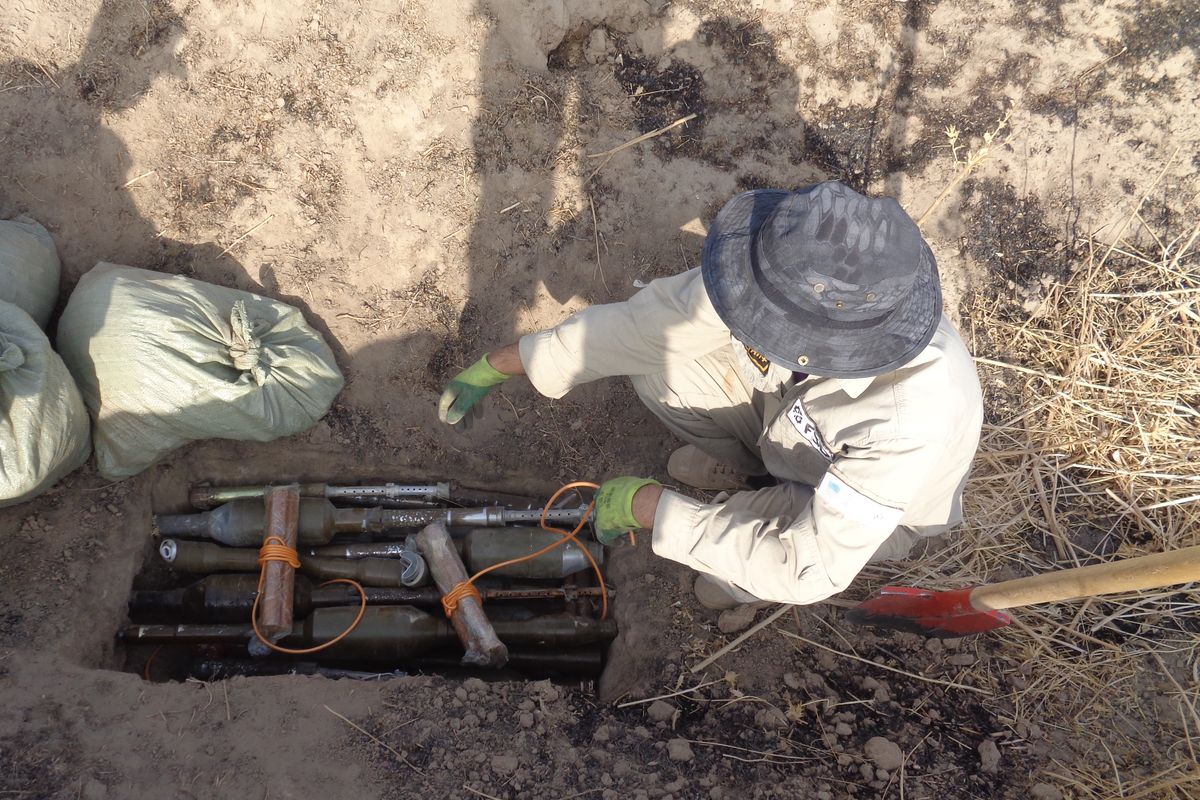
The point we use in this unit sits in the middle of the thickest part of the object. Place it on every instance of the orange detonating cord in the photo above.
(467, 588)
(460, 592)
(274, 549)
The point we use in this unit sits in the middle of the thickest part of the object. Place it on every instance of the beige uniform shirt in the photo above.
(865, 456)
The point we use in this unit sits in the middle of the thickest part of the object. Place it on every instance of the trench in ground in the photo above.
(539, 625)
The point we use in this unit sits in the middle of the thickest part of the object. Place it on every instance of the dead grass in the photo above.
(1097, 459)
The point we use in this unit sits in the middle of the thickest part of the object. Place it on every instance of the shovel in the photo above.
(962, 612)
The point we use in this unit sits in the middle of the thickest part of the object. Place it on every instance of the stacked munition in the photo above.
(543, 608)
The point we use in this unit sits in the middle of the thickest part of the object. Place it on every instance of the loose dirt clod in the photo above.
(680, 750)
(989, 756)
(885, 753)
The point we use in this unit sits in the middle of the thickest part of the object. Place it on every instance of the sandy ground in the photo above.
(417, 179)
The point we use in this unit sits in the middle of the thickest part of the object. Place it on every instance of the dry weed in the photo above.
(1097, 459)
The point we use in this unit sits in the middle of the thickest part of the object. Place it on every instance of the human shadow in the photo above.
(64, 165)
(553, 221)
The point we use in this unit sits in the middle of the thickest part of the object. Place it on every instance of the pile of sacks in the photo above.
(158, 360)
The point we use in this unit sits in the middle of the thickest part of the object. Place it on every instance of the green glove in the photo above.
(466, 389)
(614, 507)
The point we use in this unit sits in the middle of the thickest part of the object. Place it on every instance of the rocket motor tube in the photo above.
(205, 557)
(485, 547)
(386, 633)
(482, 548)
(240, 523)
(230, 598)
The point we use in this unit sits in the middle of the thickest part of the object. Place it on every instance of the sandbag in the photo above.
(29, 268)
(163, 360)
(43, 422)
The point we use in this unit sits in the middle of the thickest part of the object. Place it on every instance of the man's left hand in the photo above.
(614, 508)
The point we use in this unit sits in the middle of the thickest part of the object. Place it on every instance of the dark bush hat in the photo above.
(824, 280)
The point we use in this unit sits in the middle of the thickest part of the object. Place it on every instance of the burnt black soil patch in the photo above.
(1011, 235)
(1156, 32)
(661, 96)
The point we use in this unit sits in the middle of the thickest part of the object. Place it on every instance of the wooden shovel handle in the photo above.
(1128, 575)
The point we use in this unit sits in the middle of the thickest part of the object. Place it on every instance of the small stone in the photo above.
(792, 680)
(962, 659)
(601, 734)
(661, 711)
(867, 772)
(525, 720)
(461, 693)
(680, 750)
(842, 729)
(94, 790)
(597, 46)
(989, 756)
(885, 753)
(736, 620)
(505, 765)
(771, 719)
(470, 721)
(824, 796)
(1044, 791)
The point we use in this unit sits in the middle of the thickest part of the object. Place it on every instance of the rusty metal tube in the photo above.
(282, 512)
(483, 647)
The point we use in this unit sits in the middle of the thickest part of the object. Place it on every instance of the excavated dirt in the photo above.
(415, 177)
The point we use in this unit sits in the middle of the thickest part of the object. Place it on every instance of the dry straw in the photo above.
(1091, 453)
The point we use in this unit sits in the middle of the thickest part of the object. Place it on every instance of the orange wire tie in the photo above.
(456, 595)
(275, 549)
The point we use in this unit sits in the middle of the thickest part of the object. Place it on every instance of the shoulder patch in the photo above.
(804, 424)
(761, 363)
(857, 507)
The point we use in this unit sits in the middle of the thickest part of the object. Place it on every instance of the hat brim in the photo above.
(818, 346)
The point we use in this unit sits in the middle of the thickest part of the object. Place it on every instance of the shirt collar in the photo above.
(855, 386)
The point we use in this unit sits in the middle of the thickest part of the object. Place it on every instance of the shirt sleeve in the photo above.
(789, 543)
(670, 319)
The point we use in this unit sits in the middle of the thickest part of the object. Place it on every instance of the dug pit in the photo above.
(191, 604)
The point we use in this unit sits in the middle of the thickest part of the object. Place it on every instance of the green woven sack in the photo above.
(43, 423)
(163, 360)
(29, 268)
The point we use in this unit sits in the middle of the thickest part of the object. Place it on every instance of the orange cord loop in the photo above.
(456, 595)
(274, 549)
(278, 551)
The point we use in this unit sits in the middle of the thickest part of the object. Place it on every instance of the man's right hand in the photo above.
(466, 389)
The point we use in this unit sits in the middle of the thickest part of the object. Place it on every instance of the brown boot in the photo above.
(692, 466)
(718, 595)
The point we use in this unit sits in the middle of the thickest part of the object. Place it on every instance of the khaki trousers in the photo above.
(705, 403)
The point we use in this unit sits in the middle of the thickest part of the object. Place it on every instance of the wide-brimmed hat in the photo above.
(824, 280)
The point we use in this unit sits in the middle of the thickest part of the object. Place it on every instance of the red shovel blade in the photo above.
(941, 614)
